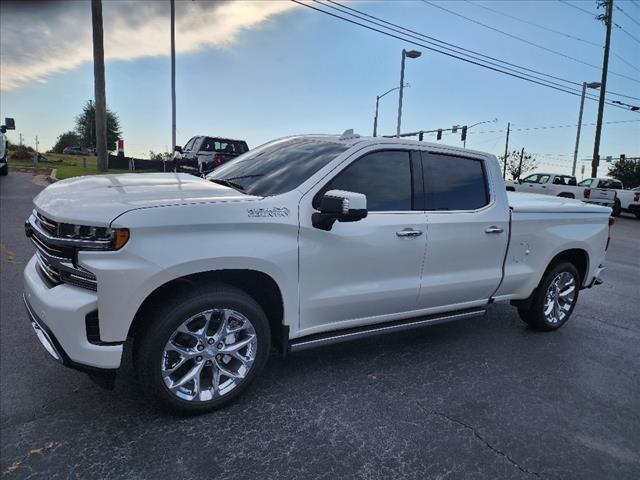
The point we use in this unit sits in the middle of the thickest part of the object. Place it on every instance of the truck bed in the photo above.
(531, 202)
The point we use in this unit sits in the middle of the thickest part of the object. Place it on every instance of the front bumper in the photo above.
(57, 315)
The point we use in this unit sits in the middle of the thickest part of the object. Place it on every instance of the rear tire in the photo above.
(181, 339)
(554, 299)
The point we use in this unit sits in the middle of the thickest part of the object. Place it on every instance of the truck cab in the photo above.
(203, 154)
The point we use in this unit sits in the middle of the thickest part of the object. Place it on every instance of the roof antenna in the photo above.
(348, 134)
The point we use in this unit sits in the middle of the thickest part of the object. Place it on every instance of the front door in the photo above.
(365, 271)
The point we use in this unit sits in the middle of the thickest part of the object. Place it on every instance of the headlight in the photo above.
(94, 238)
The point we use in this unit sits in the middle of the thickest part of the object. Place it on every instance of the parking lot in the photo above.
(480, 398)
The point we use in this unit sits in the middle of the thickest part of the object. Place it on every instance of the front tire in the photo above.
(203, 351)
(554, 300)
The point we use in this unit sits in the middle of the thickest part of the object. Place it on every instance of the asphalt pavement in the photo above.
(480, 398)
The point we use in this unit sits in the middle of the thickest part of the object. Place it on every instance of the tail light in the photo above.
(611, 222)
(217, 159)
(636, 197)
(587, 192)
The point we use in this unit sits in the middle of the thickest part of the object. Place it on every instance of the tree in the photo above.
(66, 139)
(627, 171)
(166, 156)
(86, 127)
(514, 168)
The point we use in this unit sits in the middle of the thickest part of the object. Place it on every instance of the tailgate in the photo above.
(603, 195)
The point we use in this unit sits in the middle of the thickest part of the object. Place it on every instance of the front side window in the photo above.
(585, 183)
(453, 183)
(189, 144)
(531, 178)
(384, 177)
(277, 167)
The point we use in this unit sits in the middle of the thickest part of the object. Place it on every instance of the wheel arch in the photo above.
(259, 285)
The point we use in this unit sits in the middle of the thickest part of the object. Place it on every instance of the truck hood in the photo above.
(97, 200)
(533, 202)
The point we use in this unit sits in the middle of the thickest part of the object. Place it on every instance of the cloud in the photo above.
(42, 38)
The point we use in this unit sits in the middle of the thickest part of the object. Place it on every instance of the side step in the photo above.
(346, 335)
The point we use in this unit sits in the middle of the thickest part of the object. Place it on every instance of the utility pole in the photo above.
(410, 54)
(173, 76)
(20, 139)
(603, 85)
(98, 74)
(520, 164)
(585, 85)
(506, 151)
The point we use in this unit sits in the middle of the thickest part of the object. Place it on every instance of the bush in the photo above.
(21, 152)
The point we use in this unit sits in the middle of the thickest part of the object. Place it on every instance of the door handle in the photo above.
(409, 232)
(493, 229)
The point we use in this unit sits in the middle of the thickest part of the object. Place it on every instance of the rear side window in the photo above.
(223, 146)
(615, 184)
(564, 180)
(384, 177)
(453, 183)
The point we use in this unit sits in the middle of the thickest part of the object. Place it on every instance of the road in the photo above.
(482, 398)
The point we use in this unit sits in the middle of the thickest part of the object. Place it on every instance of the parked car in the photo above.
(562, 186)
(626, 200)
(201, 155)
(302, 242)
(76, 151)
(4, 152)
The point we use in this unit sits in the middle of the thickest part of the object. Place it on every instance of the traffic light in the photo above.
(622, 157)
(464, 133)
(439, 137)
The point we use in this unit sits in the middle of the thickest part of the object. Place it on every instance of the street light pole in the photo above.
(585, 85)
(410, 54)
(378, 97)
(495, 120)
(173, 76)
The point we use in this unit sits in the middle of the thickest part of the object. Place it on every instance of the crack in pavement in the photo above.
(478, 436)
(11, 257)
(34, 451)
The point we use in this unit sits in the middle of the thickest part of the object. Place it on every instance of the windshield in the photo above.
(277, 167)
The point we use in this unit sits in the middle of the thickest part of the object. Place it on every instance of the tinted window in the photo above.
(610, 184)
(279, 166)
(453, 183)
(564, 180)
(222, 146)
(384, 177)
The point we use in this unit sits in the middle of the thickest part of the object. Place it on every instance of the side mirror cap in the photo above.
(339, 205)
(178, 149)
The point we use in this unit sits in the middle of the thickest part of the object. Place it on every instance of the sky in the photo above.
(262, 70)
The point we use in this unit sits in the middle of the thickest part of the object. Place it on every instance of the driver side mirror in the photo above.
(339, 205)
(178, 149)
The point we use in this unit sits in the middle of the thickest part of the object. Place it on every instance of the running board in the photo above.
(346, 335)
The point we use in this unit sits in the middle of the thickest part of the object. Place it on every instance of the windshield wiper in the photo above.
(227, 183)
(245, 176)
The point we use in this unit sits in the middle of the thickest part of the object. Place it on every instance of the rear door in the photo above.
(467, 232)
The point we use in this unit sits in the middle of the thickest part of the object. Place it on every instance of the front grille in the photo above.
(55, 255)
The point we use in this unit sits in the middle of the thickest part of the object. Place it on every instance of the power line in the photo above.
(528, 42)
(557, 32)
(627, 15)
(622, 29)
(591, 14)
(552, 127)
(447, 51)
(564, 34)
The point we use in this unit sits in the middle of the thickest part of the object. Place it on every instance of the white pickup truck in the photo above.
(626, 200)
(302, 242)
(562, 186)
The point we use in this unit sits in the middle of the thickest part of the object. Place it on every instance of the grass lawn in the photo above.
(67, 165)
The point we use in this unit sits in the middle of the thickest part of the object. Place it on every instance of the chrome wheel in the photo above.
(209, 355)
(559, 299)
